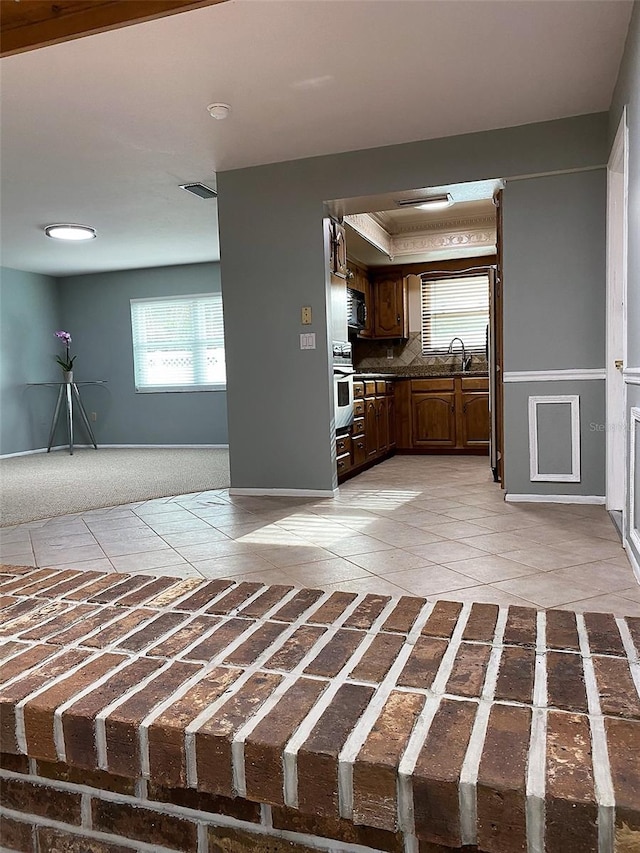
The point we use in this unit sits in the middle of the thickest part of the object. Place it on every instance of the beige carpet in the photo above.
(49, 484)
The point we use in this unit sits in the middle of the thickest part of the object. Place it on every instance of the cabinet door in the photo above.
(371, 427)
(433, 420)
(391, 412)
(382, 414)
(390, 315)
(475, 420)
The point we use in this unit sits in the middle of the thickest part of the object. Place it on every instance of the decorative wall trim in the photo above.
(285, 493)
(631, 375)
(571, 375)
(634, 424)
(555, 499)
(372, 231)
(535, 475)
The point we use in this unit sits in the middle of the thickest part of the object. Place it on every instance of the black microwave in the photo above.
(356, 310)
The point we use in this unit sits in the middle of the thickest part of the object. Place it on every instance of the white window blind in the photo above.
(178, 343)
(454, 307)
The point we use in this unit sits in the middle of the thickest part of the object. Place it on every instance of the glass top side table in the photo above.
(68, 393)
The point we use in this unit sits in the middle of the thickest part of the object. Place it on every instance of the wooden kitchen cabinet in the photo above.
(390, 310)
(372, 433)
(474, 419)
(433, 419)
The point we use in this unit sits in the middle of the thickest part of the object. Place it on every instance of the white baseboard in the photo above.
(556, 499)
(122, 447)
(635, 565)
(286, 493)
(31, 452)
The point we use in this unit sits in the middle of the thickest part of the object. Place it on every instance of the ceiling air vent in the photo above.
(201, 190)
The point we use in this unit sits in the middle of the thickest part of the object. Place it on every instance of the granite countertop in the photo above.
(417, 373)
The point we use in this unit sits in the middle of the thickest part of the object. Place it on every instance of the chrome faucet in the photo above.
(466, 360)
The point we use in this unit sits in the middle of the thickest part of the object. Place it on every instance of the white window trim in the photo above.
(435, 351)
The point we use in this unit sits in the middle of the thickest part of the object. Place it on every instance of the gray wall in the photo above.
(273, 262)
(96, 312)
(29, 316)
(554, 315)
(627, 92)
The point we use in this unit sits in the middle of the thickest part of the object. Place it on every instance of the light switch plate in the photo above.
(306, 316)
(308, 340)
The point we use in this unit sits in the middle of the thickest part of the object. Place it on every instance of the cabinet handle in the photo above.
(453, 408)
(398, 319)
(464, 408)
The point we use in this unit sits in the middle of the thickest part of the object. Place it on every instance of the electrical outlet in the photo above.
(389, 352)
(94, 416)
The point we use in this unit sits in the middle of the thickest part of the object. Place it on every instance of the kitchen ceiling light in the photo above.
(219, 111)
(434, 202)
(66, 231)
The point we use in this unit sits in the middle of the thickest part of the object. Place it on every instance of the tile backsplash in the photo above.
(407, 355)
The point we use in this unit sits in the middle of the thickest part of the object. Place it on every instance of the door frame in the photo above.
(617, 451)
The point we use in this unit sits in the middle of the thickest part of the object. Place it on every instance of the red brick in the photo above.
(633, 623)
(67, 616)
(516, 674)
(171, 595)
(151, 632)
(166, 734)
(15, 763)
(122, 724)
(375, 771)
(204, 594)
(31, 656)
(39, 712)
(318, 756)
(330, 660)
(22, 796)
(183, 637)
(223, 839)
(437, 770)
(214, 737)
(442, 620)
(25, 581)
(378, 658)
(469, 670)
(62, 772)
(423, 663)
(220, 639)
(333, 608)
(562, 631)
(338, 828)
(623, 739)
(14, 570)
(114, 592)
(404, 614)
(618, 694)
(16, 835)
(295, 648)
(140, 824)
(7, 601)
(565, 682)
(603, 633)
(14, 693)
(146, 594)
(257, 644)
(367, 611)
(201, 801)
(265, 744)
(265, 602)
(24, 615)
(64, 587)
(233, 600)
(101, 583)
(521, 627)
(481, 624)
(41, 587)
(571, 811)
(130, 620)
(60, 841)
(502, 779)
(85, 626)
(300, 602)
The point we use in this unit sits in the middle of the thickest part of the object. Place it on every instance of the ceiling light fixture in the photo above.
(219, 111)
(434, 202)
(199, 189)
(67, 231)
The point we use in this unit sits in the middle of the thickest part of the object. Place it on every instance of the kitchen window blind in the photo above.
(456, 306)
(178, 343)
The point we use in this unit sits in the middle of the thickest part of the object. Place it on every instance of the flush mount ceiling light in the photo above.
(219, 111)
(67, 231)
(199, 189)
(434, 202)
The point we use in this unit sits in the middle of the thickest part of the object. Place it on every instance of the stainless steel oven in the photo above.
(342, 384)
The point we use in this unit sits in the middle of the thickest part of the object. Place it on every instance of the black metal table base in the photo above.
(68, 393)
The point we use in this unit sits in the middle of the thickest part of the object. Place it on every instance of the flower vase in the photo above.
(67, 377)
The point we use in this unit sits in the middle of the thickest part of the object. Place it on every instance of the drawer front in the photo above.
(381, 386)
(475, 383)
(343, 444)
(359, 450)
(358, 408)
(358, 389)
(343, 463)
(426, 385)
(369, 388)
(358, 426)
(389, 387)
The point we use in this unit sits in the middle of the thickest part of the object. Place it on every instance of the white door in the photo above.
(617, 172)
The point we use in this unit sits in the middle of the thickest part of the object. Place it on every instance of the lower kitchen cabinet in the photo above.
(433, 419)
(372, 434)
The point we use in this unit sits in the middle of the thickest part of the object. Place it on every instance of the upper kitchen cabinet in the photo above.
(390, 310)
(338, 243)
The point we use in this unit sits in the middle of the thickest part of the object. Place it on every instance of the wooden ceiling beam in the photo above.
(30, 24)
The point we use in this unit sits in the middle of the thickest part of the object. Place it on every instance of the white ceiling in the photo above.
(102, 130)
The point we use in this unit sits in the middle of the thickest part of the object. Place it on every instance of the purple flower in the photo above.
(64, 336)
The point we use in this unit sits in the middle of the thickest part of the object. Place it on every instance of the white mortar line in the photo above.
(603, 783)
(266, 816)
(85, 811)
(537, 755)
(471, 763)
(359, 734)
(627, 642)
(203, 838)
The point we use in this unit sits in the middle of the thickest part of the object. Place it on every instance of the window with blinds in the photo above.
(178, 343)
(454, 307)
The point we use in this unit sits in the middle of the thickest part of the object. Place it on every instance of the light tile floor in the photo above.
(435, 526)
